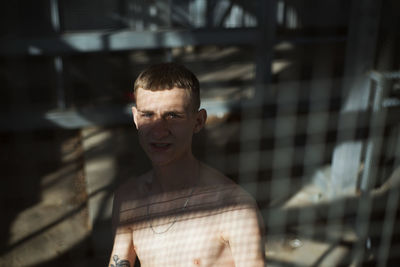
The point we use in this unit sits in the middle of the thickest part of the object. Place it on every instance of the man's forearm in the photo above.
(117, 262)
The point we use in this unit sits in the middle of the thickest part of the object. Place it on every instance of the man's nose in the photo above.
(159, 129)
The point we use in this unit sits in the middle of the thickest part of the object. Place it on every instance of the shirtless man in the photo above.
(182, 212)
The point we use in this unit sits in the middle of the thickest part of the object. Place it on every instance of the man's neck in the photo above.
(178, 175)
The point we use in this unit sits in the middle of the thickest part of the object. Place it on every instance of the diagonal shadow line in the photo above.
(197, 194)
(54, 223)
(197, 212)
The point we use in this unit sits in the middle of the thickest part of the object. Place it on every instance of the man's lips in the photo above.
(158, 146)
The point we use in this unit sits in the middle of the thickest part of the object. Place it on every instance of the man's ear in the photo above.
(134, 115)
(201, 118)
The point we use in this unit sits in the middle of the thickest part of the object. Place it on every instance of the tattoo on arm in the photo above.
(120, 263)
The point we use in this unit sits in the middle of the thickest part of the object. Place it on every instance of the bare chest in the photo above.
(195, 241)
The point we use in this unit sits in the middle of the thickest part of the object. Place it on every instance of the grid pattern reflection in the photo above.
(296, 163)
(288, 159)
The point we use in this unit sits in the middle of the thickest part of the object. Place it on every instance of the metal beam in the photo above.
(125, 40)
(100, 41)
(360, 55)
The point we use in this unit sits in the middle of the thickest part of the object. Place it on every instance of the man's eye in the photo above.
(172, 116)
(147, 115)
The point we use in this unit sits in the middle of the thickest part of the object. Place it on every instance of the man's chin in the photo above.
(157, 162)
(159, 159)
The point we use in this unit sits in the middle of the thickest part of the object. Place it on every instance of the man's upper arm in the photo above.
(123, 252)
(245, 236)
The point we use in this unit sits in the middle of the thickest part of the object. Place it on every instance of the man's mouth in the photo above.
(160, 146)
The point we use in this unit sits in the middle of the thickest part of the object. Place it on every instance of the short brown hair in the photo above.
(166, 76)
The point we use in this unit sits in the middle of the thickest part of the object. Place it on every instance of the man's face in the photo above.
(166, 122)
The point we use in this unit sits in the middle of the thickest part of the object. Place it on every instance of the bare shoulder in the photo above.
(134, 188)
(129, 200)
(212, 177)
(229, 192)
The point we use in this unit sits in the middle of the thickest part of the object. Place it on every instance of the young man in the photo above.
(182, 212)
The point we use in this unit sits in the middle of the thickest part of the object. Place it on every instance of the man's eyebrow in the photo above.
(174, 111)
(145, 111)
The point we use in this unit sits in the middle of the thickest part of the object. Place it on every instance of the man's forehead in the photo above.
(173, 99)
(167, 95)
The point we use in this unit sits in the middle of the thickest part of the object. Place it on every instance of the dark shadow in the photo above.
(24, 164)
